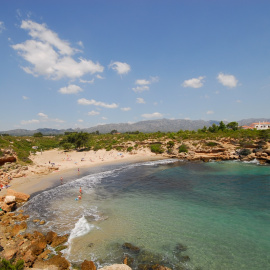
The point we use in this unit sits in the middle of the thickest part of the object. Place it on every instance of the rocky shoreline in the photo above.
(203, 150)
(44, 251)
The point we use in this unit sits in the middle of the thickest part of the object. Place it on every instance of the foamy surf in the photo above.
(82, 227)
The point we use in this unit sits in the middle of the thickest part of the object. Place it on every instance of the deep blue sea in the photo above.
(183, 215)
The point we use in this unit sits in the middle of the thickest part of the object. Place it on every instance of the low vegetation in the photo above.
(81, 141)
(9, 265)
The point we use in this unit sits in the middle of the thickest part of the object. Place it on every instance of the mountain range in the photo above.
(163, 125)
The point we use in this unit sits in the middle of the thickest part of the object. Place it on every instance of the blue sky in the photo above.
(69, 64)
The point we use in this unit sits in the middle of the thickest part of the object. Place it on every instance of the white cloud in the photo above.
(100, 77)
(194, 82)
(43, 115)
(84, 101)
(2, 27)
(154, 79)
(152, 115)
(80, 43)
(142, 82)
(120, 68)
(140, 100)
(80, 120)
(104, 118)
(93, 113)
(57, 120)
(140, 89)
(50, 56)
(27, 122)
(84, 81)
(239, 101)
(209, 112)
(126, 109)
(227, 80)
(71, 89)
(45, 118)
(25, 98)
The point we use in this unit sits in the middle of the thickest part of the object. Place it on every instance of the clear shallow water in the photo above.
(219, 211)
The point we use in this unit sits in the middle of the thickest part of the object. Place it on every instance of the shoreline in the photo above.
(44, 174)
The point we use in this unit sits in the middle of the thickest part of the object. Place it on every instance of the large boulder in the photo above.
(18, 228)
(59, 261)
(54, 240)
(20, 197)
(116, 267)
(8, 207)
(10, 199)
(88, 265)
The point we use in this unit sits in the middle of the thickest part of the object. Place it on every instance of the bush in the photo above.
(170, 144)
(38, 134)
(183, 148)
(244, 152)
(211, 144)
(129, 149)
(156, 148)
(7, 265)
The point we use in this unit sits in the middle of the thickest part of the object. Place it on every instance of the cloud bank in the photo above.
(50, 56)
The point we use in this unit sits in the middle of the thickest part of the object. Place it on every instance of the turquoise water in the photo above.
(219, 211)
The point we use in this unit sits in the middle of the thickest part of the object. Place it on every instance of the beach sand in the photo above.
(49, 166)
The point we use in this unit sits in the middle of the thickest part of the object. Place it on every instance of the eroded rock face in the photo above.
(20, 197)
(6, 159)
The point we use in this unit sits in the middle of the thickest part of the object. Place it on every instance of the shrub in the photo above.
(7, 265)
(38, 134)
(244, 152)
(129, 149)
(170, 144)
(97, 147)
(156, 148)
(211, 144)
(183, 148)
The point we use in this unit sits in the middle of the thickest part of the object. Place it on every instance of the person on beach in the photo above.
(80, 190)
(61, 179)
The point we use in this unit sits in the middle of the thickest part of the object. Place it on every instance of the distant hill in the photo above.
(163, 125)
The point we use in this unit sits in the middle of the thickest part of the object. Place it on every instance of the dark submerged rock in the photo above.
(130, 247)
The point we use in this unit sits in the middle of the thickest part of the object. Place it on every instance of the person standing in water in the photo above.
(80, 190)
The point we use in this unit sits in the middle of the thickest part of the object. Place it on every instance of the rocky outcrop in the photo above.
(116, 267)
(222, 149)
(19, 196)
(33, 248)
(6, 159)
(88, 265)
(12, 200)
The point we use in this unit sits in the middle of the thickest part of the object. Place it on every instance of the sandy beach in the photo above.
(49, 166)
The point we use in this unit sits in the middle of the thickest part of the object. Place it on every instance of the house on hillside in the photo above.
(258, 126)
